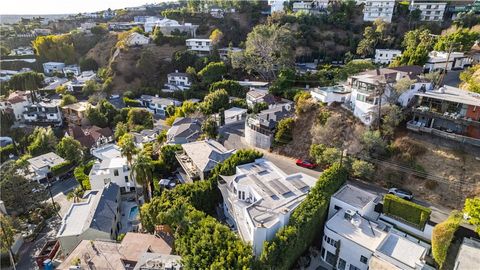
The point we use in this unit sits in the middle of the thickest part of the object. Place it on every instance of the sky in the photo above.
(30, 7)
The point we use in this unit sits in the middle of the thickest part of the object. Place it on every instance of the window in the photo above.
(353, 267)
(330, 259)
(323, 252)
(336, 207)
(115, 172)
(126, 178)
(363, 259)
(341, 264)
(330, 241)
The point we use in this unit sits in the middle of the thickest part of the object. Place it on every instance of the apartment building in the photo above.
(378, 9)
(200, 46)
(448, 112)
(311, 7)
(431, 10)
(386, 56)
(259, 199)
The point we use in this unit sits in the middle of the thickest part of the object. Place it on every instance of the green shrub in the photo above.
(284, 132)
(406, 210)
(442, 236)
(131, 102)
(61, 168)
(6, 151)
(82, 177)
(362, 169)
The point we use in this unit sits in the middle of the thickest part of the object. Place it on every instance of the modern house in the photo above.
(111, 170)
(15, 104)
(96, 217)
(136, 251)
(123, 26)
(75, 113)
(158, 105)
(311, 7)
(259, 199)
(378, 9)
(200, 46)
(448, 112)
(91, 137)
(330, 94)
(355, 239)
(167, 26)
(431, 10)
(178, 81)
(51, 83)
(136, 39)
(184, 130)
(254, 85)
(46, 112)
(234, 115)
(199, 158)
(145, 136)
(39, 167)
(386, 56)
(260, 128)
(52, 67)
(468, 255)
(23, 50)
(437, 61)
(72, 70)
(372, 87)
(276, 5)
(78, 82)
(226, 52)
(259, 96)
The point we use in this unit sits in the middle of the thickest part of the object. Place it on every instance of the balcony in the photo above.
(188, 166)
(454, 116)
(420, 127)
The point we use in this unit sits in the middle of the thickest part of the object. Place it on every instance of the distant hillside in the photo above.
(9, 19)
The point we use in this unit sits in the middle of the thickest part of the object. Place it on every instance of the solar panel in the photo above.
(278, 186)
(261, 185)
(298, 183)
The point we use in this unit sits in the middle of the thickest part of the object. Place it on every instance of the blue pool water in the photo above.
(133, 213)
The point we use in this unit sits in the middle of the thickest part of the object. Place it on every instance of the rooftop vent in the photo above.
(349, 214)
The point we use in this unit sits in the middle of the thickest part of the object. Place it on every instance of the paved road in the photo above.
(233, 139)
(452, 78)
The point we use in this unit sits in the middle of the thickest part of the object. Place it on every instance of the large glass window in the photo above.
(341, 264)
(330, 258)
(363, 259)
(353, 267)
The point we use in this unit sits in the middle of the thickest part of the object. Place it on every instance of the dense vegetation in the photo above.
(442, 236)
(408, 211)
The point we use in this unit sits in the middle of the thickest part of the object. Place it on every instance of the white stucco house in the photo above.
(330, 94)
(386, 56)
(200, 46)
(52, 67)
(178, 81)
(259, 199)
(438, 61)
(431, 10)
(276, 5)
(378, 9)
(71, 69)
(15, 103)
(158, 105)
(136, 39)
(40, 166)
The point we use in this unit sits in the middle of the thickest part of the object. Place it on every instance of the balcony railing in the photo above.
(418, 127)
(454, 117)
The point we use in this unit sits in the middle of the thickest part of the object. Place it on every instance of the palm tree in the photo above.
(75, 194)
(143, 169)
(128, 150)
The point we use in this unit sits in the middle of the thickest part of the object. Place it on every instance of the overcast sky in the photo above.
(28, 7)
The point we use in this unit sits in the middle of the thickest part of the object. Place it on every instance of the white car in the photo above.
(401, 193)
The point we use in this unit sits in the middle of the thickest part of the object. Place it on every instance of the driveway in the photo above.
(452, 78)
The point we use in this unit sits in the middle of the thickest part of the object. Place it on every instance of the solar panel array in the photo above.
(261, 185)
(298, 183)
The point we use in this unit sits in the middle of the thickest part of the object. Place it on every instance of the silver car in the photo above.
(401, 193)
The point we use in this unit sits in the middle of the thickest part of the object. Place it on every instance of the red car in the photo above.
(305, 164)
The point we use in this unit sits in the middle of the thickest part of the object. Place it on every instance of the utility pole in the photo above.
(49, 177)
(442, 76)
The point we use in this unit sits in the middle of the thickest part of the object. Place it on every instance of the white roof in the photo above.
(234, 111)
(198, 39)
(453, 94)
(74, 222)
(107, 151)
(253, 83)
(49, 159)
(354, 196)
(206, 154)
(468, 256)
(367, 234)
(402, 250)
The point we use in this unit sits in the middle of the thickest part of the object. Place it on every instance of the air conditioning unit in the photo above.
(349, 214)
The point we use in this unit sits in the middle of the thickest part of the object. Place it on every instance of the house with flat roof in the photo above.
(227, 51)
(199, 158)
(40, 166)
(75, 113)
(378, 9)
(234, 115)
(136, 39)
(330, 94)
(158, 105)
(468, 256)
(112, 170)
(80, 80)
(255, 96)
(200, 46)
(178, 81)
(448, 112)
(184, 130)
(52, 67)
(430, 10)
(146, 136)
(106, 151)
(136, 251)
(311, 6)
(259, 199)
(438, 61)
(386, 56)
(44, 113)
(96, 217)
(72, 70)
(354, 237)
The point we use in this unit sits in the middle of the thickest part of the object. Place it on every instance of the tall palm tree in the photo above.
(75, 195)
(143, 169)
(128, 150)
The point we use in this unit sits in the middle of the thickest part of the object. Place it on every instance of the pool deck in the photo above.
(126, 224)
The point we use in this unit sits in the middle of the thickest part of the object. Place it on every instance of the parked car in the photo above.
(305, 164)
(401, 193)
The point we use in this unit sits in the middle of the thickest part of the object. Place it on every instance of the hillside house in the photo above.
(234, 115)
(378, 9)
(258, 96)
(226, 52)
(78, 82)
(21, 51)
(431, 10)
(386, 56)
(184, 130)
(15, 104)
(310, 7)
(178, 81)
(158, 105)
(72, 70)
(276, 5)
(91, 137)
(52, 67)
(259, 199)
(39, 166)
(96, 217)
(448, 112)
(200, 46)
(46, 112)
(331, 94)
(75, 113)
(136, 39)
(167, 26)
(437, 61)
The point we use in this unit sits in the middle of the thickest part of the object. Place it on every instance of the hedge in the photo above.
(61, 168)
(6, 151)
(131, 102)
(306, 222)
(442, 236)
(406, 210)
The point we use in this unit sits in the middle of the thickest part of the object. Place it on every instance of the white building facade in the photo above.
(178, 81)
(431, 10)
(378, 9)
(438, 61)
(136, 39)
(52, 67)
(386, 56)
(199, 46)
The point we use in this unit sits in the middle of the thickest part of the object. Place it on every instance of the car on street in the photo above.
(401, 193)
(305, 164)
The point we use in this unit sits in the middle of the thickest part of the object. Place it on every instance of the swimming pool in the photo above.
(133, 213)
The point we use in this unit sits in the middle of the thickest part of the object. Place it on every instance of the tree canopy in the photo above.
(417, 43)
(460, 40)
(70, 149)
(215, 101)
(55, 48)
(42, 141)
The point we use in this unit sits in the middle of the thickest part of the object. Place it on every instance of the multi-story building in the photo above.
(200, 46)
(167, 26)
(46, 112)
(260, 127)
(39, 166)
(199, 158)
(184, 130)
(330, 94)
(178, 81)
(259, 199)
(71, 69)
(438, 61)
(312, 7)
(97, 217)
(52, 67)
(448, 112)
(386, 56)
(431, 10)
(259, 96)
(15, 104)
(91, 137)
(355, 239)
(75, 113)
(372, 87)
(276, 5)
(158, 105)
(378, 9)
